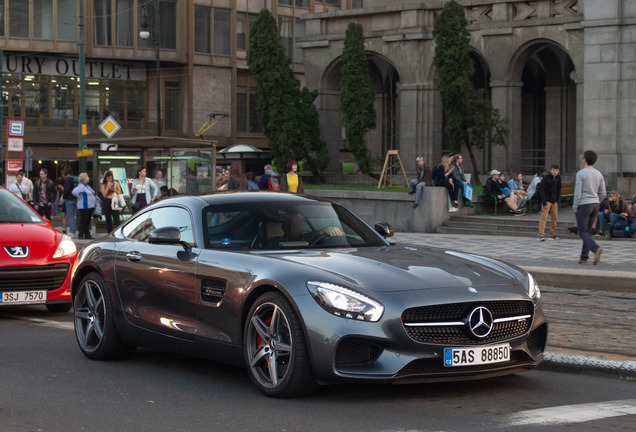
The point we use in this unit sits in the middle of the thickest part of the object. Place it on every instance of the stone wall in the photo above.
(396, 208)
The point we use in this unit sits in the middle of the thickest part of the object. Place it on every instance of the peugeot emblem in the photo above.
(17, 251)
(480, 322)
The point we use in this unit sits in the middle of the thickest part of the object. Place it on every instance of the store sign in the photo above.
(15, 144)
(14, 164)
(32, 64)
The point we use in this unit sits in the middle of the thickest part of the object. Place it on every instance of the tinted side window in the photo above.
(139, 228)
(173, 217)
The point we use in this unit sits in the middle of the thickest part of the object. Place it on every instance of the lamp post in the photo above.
(144, 34)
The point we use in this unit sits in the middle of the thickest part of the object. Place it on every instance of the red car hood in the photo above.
(40, 238)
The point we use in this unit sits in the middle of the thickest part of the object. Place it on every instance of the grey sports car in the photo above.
(302, 292)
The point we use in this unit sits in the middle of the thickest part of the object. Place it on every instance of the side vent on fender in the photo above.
(212, 290)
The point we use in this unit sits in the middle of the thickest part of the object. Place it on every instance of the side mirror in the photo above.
(167, 235)
(384, 229)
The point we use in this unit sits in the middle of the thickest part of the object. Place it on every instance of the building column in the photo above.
(329, 114)
(506, 97)
(419, 124)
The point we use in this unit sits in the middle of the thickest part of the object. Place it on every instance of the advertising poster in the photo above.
(119, 174)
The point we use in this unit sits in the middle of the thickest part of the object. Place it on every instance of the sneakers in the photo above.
(416, 205)
(453, 210)
(455, 204)
(582, 262)
(556, 238)
(411, 192)
(469, 204)
(541, 239)
(597, 255)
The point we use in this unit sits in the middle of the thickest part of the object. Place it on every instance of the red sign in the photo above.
(14, 164)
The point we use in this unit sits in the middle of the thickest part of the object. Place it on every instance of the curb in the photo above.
(597, 280)
(580, 364)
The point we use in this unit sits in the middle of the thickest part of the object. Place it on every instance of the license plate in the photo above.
(476, 356)
(22, 297)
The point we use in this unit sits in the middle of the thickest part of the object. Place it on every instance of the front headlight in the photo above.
(65, 248)
(344, 302)
(533, 289)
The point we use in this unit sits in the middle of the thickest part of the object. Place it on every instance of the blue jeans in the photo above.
(585, 215)
(71, 207)
(418, 189)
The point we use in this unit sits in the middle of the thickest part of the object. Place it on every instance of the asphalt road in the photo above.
(48, 385)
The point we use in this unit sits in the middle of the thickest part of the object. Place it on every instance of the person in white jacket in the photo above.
(144, 191)
(85, 204)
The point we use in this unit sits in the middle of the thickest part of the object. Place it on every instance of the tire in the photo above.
(275, 349)
(59, 307)
(95, 329)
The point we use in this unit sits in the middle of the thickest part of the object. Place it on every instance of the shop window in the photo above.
(43, 19)
(64, 92)
(36, 96)
(66, 20)
(172, 111)
(19, 19)
(202, 24)
(135, 103)
(222, 31)
(124, 23)
(102, 15)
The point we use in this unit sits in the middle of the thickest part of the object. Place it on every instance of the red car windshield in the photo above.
(14, 210)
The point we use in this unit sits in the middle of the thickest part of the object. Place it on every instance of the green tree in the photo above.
(287, 113)
(470, 119)
(357, 98)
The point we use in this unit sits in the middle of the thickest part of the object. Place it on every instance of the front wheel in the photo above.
(95, 329)
(275, 348)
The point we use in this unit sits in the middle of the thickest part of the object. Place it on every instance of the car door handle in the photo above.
(133, 256)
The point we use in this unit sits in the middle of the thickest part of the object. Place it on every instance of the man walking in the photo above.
(550, 191)
(589, 191)
(44, 194)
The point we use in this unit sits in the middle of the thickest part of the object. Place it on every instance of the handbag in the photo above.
(115, 203)
(97, 210)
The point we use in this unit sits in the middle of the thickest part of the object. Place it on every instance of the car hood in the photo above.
(403, 268)
(41, 239)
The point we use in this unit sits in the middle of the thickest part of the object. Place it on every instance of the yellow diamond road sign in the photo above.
(109, 126)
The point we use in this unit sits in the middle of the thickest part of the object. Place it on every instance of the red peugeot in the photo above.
(36, 260)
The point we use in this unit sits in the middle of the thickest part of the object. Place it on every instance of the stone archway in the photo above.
(548, 107)
(385, 82)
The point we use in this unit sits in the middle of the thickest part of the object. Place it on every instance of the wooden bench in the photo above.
(567, 192)
(482, 201)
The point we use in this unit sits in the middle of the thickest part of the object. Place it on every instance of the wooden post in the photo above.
(386, 167)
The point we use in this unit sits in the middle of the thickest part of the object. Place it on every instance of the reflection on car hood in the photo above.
(399, 268)
(41, 239)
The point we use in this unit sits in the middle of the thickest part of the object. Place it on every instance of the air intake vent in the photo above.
(212, 290)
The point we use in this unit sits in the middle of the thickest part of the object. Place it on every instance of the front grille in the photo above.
(45, 277)
(458, 312)
(355, 352)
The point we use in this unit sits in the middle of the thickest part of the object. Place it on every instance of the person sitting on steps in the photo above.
(493, 191)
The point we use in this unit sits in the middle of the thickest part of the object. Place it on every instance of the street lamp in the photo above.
(145, 34)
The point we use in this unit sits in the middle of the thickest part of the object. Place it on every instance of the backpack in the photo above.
(273, 183)
(620, 229)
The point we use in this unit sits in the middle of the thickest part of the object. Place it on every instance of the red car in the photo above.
(36, 260)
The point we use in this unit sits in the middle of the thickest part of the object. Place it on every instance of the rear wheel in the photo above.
(275, 349)
(95, 329)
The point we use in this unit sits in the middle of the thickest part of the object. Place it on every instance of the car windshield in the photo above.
(14, 210)
(284, 225)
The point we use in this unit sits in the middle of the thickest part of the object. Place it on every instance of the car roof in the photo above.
(255, 197)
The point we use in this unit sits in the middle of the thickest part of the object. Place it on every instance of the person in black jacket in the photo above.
(494, 192)
(550, 191)
(44, 195)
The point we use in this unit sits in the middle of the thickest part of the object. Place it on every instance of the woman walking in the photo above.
(85, 204)
(292, 182)
(108, 188)
(144, 191)
(237, 180)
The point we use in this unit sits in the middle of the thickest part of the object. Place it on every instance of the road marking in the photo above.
(48, 323)
(574, 413)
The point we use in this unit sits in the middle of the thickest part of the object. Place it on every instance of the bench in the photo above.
(482, 200)
(567, 192)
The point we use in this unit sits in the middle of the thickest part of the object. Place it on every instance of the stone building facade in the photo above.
(563, 72)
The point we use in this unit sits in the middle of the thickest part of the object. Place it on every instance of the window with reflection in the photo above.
(19, 19)
(43, 19)
(124, 23)
(246, 117)
(173, 217)
(243, 24)
(202, 28)
(222, 31)
(102, 27)
(66, 20)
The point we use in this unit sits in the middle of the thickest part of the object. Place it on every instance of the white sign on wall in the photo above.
(15, 144)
